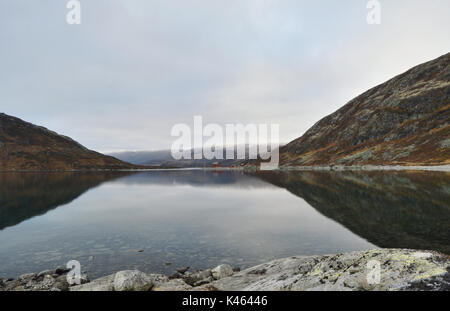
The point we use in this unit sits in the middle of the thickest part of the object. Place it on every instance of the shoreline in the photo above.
(435, 168)
(398, 269)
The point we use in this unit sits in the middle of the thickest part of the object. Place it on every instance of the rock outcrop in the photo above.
(405, 121)
(380, 270)
(27, 147)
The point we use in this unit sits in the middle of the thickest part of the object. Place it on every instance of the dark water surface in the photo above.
(203, 218)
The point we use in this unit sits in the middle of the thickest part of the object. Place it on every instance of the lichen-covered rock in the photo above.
(222, 271)
(132, 280)
(375, 270)
(382, 269)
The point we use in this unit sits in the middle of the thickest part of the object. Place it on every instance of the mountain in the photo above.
(164, 158)
(405, 121)
(25, 146)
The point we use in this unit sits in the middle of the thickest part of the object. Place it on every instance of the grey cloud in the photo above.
(132, 69)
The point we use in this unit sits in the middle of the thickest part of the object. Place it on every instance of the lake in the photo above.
(198, 218)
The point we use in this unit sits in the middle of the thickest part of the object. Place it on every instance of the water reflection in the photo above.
(25, 195)
(203, 218)
(389, 209)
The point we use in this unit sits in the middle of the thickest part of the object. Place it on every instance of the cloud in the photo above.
(133, 69)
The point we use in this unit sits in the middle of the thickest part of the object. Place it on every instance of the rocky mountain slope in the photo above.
(405, 121)
(25, 146)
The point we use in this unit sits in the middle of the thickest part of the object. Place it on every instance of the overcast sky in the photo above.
(134, 68)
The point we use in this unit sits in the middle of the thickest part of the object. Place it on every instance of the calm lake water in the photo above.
(203, 218)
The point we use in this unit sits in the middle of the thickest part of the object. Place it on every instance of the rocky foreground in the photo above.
(404, 270)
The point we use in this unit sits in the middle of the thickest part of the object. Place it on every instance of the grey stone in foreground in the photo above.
(398, 270)
(222, 271)
(383, 269)
(132, 280)
(377, 270)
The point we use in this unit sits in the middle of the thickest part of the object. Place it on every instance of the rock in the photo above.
(102, 284)
(46, 284)
(132, 280)
(173, 285)
(158, 279)
(204, 288)
(343, 272)
(45, 272)
(183, 270)
(61, 285)
(24, 278)
(208, 280)
(222, 271)
(399, 270)
(61, 270)
(84, 278)
(167, 263)
(198, 278)
(176, 275)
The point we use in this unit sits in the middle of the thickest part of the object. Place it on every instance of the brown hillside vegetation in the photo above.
(405, 121)
(25, 146)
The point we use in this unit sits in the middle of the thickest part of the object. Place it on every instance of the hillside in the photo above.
(405, 121)
(25, 146)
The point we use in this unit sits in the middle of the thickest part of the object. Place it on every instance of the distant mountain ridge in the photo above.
(405, 121)
(28, 147)
(164, 158)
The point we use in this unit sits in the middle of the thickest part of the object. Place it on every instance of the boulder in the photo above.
(198, 278)
(222, 271)
(99, 285)
(132, 280)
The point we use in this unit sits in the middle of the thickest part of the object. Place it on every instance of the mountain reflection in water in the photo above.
(389, 209)
(204, 218)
